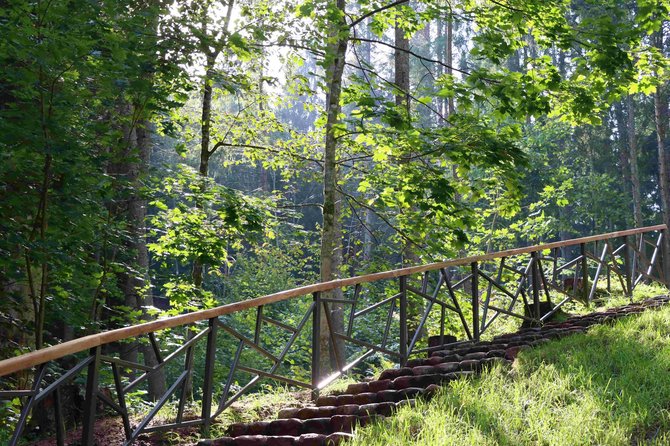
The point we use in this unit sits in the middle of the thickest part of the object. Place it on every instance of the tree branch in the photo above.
(290, 45)
(392, 84)
(511, 8)
(369, 231)
(400, 232)
(412, 53)
(266, 148)
(377, 10)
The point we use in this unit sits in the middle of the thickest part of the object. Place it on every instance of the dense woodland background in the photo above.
(176, 155)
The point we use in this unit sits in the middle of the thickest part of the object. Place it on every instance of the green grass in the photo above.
(610, 386)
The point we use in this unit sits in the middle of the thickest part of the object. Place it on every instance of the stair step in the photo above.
(333, 439)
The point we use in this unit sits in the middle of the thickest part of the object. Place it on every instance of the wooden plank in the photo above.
(44, 355)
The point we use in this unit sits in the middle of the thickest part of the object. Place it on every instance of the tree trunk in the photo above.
(211, 54)
(137, 214)
(632, 159)
(450, 60)
(661, 120)
(367, 214)
(205, 154)
(402, 69)
(450, 106)
(402, 100)
(131, 166)
(206, 114)
(331, 237)
(440, 43)
(137, 283)
(415, 305)
(623, 155)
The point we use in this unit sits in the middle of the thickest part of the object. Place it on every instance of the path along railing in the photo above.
(367, 314)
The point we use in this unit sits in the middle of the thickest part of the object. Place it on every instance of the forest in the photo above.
(159, 157)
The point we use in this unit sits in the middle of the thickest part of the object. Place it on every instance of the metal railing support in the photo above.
(118, 387)
(208, 382)
(585, 273)
(535, 285)
(627, 265)
(187, 387)
(664, 271)
(28, 406)
(60, 423)
(662, 265)
(352, 314)
(316, 343)
(93, 375)
(259, 324)
(403, 320)
(475, 301)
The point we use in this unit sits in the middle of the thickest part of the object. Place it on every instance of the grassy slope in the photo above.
(610, 386)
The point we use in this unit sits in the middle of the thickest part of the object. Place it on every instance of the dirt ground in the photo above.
(109, 432)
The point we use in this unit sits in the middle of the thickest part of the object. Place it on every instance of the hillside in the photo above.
(607, 386)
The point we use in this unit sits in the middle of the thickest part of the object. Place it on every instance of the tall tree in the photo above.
(402, 102)
(449, 57)
(331, 232)
(661, 121)
(211, 46)
(633, 162)
(138, 108)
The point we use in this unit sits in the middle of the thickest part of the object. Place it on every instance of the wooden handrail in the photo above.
(37, 357)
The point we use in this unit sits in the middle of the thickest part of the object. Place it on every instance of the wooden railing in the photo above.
(476, 292)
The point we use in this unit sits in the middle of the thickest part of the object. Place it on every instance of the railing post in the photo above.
(352, 314)
(316, 343)
(535, 283)
(663, 266)
(627, 264)
(443, 315)
(259, 324)
(208, 382)
(475, 300)
(28, 407)
(118, 385)
(554, 271)
(187, 385)
(609, 278)
(585, 273)
(87, 433)
(403, 320)
(58, 413)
